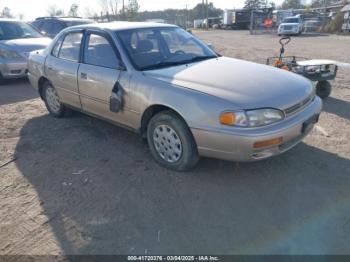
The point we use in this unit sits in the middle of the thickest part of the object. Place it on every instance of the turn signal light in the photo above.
(228, 118)
(267, 143)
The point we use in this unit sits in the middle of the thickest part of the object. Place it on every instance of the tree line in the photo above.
(290, 4)
(130, 10)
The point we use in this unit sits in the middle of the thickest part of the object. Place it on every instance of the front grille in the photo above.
(288, 27)
(16, 71)
(300, 106)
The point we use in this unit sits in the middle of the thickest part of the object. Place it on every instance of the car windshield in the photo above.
(153, 48)
(291, 20)
(17, 30)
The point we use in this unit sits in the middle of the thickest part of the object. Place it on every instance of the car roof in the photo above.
(68, 19)
(120, 25)
(3, 19)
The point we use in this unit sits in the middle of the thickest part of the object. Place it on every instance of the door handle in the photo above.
(83, 76)
(50, 68)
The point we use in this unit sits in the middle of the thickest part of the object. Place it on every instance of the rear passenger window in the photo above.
(70, 48)
(98, 51)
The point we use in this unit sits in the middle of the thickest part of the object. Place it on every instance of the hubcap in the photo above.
(167, 143)
(53, 100)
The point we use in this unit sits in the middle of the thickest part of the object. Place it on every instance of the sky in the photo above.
(35, 8)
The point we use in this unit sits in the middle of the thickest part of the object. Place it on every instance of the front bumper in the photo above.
(11, 69)
(238, 145)
(288, 31)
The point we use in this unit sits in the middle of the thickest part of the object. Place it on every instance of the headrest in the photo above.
(144, 46)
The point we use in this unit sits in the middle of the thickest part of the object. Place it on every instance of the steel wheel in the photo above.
(52, 100)
(167, 143)
(171, 142)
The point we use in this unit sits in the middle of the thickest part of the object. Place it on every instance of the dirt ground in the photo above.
(81, 186)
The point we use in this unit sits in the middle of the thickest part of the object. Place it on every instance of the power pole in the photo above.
(207, 13)
(123, 11)
(202, 10)
(186, 17)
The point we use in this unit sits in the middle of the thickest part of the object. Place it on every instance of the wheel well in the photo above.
(41, 82)
(152, 111)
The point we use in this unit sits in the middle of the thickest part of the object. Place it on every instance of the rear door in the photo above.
(62, 66)
(99, 75)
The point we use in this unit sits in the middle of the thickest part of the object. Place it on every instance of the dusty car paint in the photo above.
(199, 92)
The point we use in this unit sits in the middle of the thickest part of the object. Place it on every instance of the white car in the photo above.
(291, 26)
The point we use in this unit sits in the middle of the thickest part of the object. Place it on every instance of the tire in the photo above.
(323, 89)
(171, 142)
(51, 99)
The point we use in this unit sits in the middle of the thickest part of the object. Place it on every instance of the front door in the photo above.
(99, 75)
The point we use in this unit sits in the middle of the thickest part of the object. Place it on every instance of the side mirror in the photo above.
(43, 33)
(211, 46)
(116, 99)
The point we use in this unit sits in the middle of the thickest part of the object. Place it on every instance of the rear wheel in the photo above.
(323, 89)
(52, 101)
(171, 142)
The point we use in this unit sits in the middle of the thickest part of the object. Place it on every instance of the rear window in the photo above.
(79, 22)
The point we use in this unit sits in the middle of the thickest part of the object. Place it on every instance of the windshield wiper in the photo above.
(200, 58)
(175, 63)
(162, 65)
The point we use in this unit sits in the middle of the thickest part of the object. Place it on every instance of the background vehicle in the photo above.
(318, 71)
(238, 18)
(17, 40)
(291, 26)
(160, 81)
(51, 26)
(312, 25)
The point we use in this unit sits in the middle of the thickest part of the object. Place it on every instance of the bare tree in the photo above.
(73, 11)
(6, 12)
(132, 10)
(52, 10)
(110, 6)
(88, 12)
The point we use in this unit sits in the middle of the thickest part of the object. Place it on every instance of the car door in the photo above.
(62, 66)
(100, 74)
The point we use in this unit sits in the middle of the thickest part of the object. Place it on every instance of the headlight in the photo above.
(263, 117)
(251, 118)
(9, 54)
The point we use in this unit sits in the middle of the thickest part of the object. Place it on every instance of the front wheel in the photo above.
(52, 101)
(323, 89)
(171, 142)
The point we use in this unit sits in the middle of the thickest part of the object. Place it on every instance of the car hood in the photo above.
(25, 45)
(292, 24)
(247, 85)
